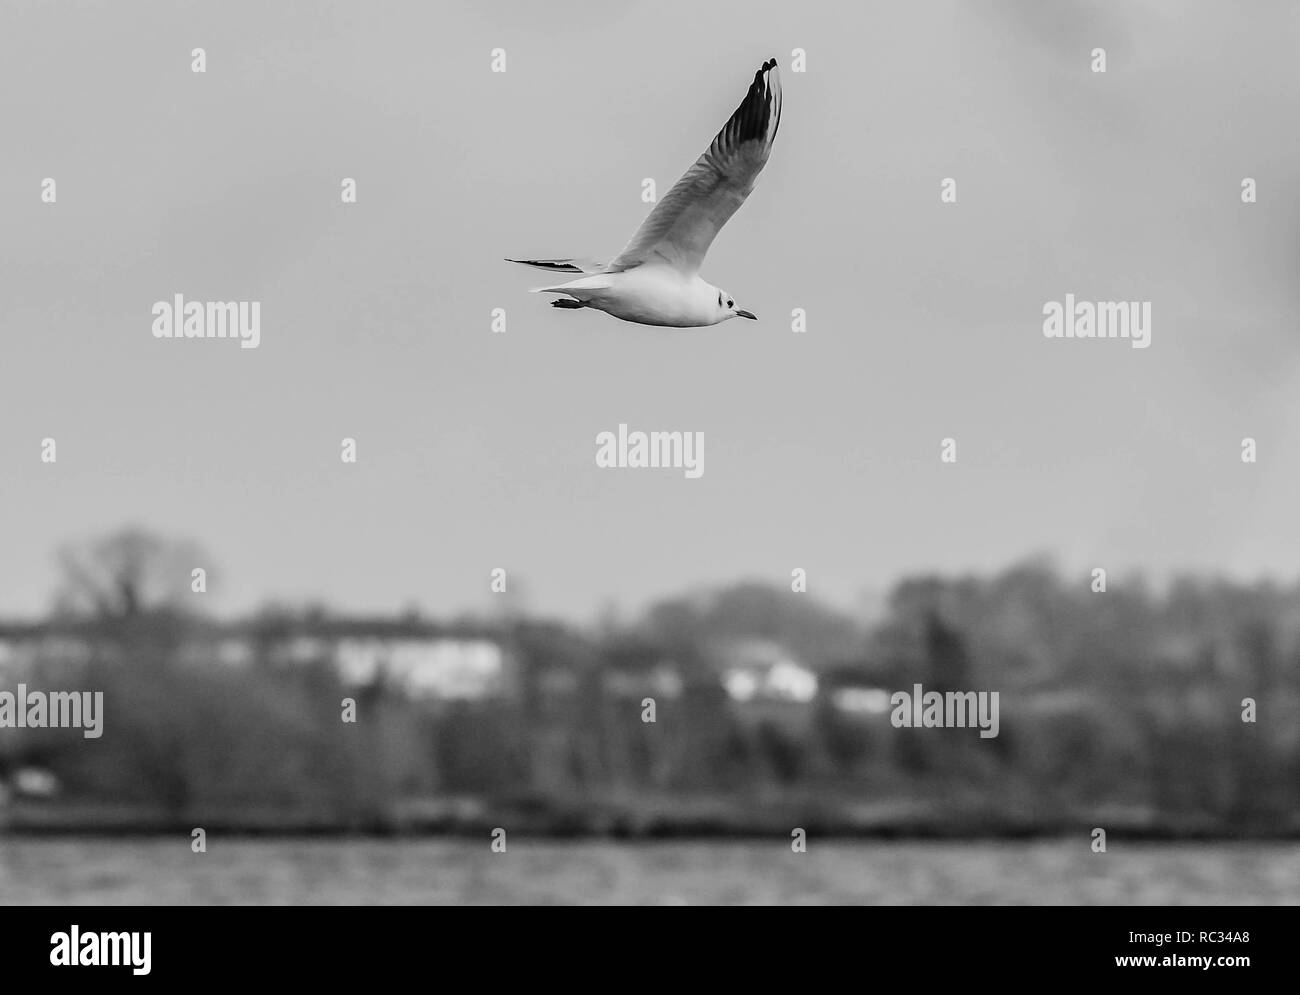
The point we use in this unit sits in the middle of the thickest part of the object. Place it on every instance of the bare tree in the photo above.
(125, 574)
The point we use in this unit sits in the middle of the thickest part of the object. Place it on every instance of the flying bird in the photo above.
(656, 279)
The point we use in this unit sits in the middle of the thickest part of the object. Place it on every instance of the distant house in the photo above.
(451, 669)
(861, 688)
(10, 668)
(235, 652)
(663, 680)
(758, 670)
(634, 669)
(23, 648)
(423, 659)
(859, 700)
(35, 782)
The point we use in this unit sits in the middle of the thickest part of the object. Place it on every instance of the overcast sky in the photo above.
(478, 450)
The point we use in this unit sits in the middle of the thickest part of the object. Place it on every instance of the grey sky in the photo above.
(477, 450)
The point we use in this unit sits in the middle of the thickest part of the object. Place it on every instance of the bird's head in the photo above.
(727, 308)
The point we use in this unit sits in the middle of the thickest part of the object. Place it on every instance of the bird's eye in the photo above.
(731, 303)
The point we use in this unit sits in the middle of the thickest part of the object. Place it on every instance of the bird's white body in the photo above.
(650, 295)
(656, 279)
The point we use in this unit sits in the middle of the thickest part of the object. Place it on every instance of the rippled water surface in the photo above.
(262, 871)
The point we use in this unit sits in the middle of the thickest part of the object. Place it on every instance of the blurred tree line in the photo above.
(1119, 709)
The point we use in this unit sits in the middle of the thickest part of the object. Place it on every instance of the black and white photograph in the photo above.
(650, 454)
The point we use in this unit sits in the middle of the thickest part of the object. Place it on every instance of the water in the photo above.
(274, 871)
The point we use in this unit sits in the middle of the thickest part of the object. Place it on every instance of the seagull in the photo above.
(656, 279)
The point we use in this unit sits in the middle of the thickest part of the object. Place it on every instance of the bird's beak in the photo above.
(746, 314)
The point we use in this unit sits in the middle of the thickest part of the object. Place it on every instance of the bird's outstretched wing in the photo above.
(682, 226)
(563, 265)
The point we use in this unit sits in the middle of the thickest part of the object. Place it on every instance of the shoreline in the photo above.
(622, 826)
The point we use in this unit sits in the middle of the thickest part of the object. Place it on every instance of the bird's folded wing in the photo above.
(680, 229)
